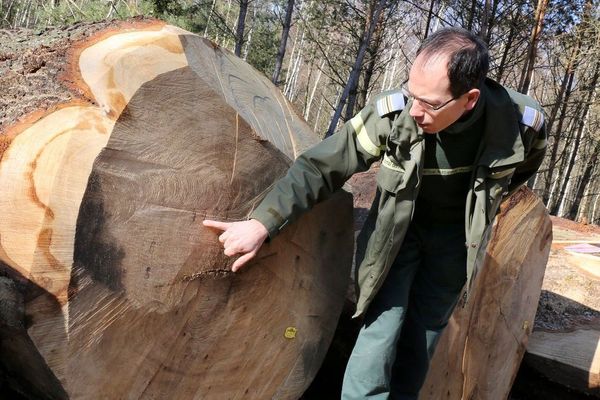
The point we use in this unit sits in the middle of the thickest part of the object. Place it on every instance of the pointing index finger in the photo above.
(216, 224)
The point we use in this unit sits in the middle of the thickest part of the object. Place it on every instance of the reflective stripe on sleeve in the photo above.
(390, 103)
(532, 118)
(363, 138)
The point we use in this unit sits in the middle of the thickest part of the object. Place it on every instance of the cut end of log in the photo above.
(104, 191)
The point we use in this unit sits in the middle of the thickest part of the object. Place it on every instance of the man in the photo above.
(451, 144)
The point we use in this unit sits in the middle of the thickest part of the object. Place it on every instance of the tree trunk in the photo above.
(429, 17)
(588, 211)
(370, 23)
(249, 41)
(507, 46)
(225, 41)
(292, 56)
(584, 210)
(294, 69)
(316, 124)
(490, 24)
(580, 128)
(210, 13)
(471, 16)
(241, 24)
(110, 287)
(585, 181)
(311, 96)
(564, 176)
(373, 51)
(569, 71)
(533, 42)
(569, 76)
(485, 20)
(283, 43)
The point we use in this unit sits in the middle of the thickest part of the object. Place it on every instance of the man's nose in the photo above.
(416, 110)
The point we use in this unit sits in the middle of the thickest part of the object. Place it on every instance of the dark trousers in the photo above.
(402, 325)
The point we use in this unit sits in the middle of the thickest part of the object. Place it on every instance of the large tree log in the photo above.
(123, 137)
(480, 351)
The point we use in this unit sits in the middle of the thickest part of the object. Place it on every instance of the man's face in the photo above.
(429, 85)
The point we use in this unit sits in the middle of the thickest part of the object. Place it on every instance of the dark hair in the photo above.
(468, 55)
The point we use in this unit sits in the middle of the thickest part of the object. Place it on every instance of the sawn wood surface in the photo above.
(111, 287)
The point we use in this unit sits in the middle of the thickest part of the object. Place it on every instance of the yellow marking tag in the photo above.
(525, 325)
(290, 332)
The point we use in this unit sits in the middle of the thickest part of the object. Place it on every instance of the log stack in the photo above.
(117, 140)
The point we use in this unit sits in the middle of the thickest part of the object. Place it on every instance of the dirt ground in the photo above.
(575, 228)
(569, 298)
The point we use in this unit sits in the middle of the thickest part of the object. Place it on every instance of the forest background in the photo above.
(330, 56)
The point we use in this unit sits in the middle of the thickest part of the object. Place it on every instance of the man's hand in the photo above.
(243, 237)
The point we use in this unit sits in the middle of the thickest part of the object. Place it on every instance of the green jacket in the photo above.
(511, 151)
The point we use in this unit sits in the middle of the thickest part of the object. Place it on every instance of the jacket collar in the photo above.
(466, 121)
(502, 144)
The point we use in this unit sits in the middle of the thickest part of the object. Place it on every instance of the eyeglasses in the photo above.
(424, 103)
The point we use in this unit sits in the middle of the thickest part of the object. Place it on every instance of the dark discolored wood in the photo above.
(21, 365)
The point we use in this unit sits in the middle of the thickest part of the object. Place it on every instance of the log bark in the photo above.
(134, 134)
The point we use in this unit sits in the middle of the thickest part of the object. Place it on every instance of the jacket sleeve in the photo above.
(533, 160)
(323, 169)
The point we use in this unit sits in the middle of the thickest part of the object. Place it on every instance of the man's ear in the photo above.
(472, 97)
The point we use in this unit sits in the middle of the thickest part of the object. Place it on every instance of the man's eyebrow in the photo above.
(429, 101)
